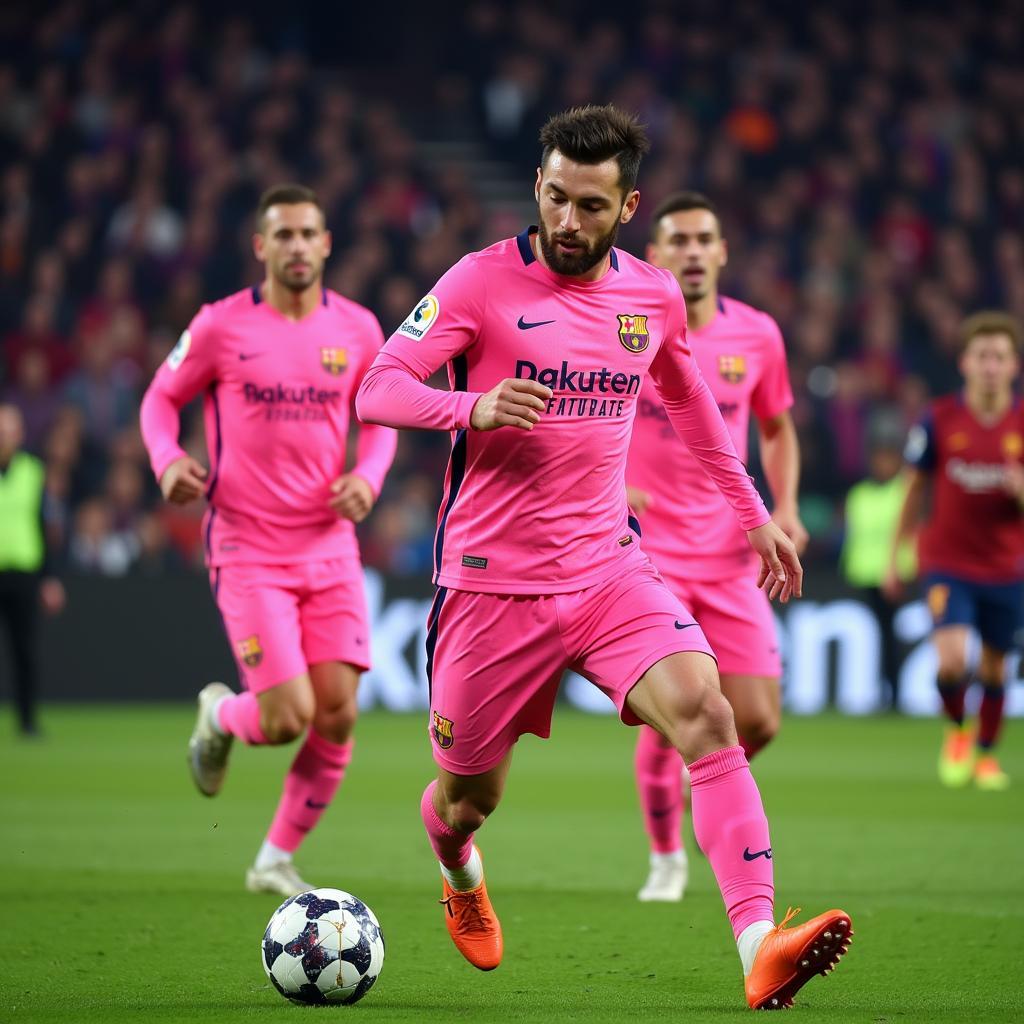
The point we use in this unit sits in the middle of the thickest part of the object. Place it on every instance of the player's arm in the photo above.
(780, 459)
(444, 325)
(186, 372)
(695, 417)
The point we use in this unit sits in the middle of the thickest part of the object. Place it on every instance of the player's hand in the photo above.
(781, 574)
(183, 481)
(513, 403)
(892, 585)
(639, 501)
(52, 596)
(788, 520)
(351, 497)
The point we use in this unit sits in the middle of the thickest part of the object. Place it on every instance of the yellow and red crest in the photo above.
(1013, 445)
(334, 360)
(249, 650)
(732, 368)
(633, 331)
(443, 731)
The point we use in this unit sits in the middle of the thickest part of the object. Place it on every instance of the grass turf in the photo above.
(123, 901)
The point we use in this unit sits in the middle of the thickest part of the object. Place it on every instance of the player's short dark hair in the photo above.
(286, 195)
(680, 202)
(992, 321)
(591, 135)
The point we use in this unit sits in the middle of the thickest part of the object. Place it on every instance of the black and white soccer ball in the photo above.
(323, 946)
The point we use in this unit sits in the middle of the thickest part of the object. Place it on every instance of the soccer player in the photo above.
(688, 530)
(970, 447)
(278, 366)
(548, 337)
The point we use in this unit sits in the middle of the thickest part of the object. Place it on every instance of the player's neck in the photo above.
(291, 304)
(990, 407)
(700, 312)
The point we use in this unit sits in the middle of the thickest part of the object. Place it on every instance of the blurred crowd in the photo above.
(868, 163)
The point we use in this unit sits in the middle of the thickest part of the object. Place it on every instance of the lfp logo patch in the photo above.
(443, 731)
(633, 332)
(250, 651)
(732, 368)
(177, 354)
(422, 318)
(334, 360)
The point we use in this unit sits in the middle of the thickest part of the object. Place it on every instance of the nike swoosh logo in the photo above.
(245, 356)
(523, 325)
(684, 625)
(661, 812)
(314, 806)
(747, 855)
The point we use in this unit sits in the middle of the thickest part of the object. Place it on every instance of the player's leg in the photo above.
(952, 605)
(21, 610)
(313, 778)
(999, 619)
(757, 705)
(659, 772)
(493, 666)
(261, 619)
(662, 673)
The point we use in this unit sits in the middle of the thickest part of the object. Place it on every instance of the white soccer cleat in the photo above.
(207, 748)
(666, 882)
(279, 877)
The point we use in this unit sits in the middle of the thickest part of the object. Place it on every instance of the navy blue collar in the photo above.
(526, 248)
(257, 298)
(721, 305)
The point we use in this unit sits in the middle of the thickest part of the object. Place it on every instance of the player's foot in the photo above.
(789, 957)
(473, 925)
(956, 762)
(666, 881)
(988, 775)
(279, 877)
(208, 749)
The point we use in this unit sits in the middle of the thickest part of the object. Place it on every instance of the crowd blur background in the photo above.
(867, 160)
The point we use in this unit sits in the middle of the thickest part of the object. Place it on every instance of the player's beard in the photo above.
(573, 266)
(299, 282)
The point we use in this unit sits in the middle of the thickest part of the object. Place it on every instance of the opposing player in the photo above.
(970, 449)
(278, 366)
(688, 530)
(548, 338)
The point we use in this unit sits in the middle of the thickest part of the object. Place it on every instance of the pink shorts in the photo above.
(494, 661)
(280, 619)
(737, 619)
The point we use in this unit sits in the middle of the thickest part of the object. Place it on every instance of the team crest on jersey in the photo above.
(443, 731)
(958, 441)
(334, 360)
(250, 651)
(422, 318)
(178, 353)
(633, 332)
(1013, 445)
(732, 368)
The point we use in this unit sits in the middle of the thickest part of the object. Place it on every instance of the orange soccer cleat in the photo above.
(789, 957)
(988, 775)
(956, 762)
(473, 925)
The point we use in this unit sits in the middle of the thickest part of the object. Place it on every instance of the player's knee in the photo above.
(952, 667)
(759, 730)
(716, 718)
(283, 725)
(337, 721)
(470, 812)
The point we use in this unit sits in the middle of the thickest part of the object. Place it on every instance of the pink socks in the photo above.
(453, 849)
(731, 828)
(309, 787)
(659, 781)
(239, 716)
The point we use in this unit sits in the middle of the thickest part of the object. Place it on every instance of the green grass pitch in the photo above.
(123, 901)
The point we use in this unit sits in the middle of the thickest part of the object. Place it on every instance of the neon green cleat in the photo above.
(988, 775)
(956, 762)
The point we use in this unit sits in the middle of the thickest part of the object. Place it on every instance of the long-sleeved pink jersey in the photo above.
(277, 395)
(544, 511)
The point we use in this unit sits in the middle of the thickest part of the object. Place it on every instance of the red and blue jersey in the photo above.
(975, 529)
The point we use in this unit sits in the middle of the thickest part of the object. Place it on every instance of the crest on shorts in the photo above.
(442, 730)
(633, 331)
(249, 650)
(334, 360)
(938, 599)
(732, 368)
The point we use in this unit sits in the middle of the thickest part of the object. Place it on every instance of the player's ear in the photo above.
(651, 254)
(536, 184)
(328, 243)
(725, 253)
(257, 247)
(629, 207)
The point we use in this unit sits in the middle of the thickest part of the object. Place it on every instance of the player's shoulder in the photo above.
(339, 304)
(944, 407)
(633, 267)
(212, 314)
(736, 311)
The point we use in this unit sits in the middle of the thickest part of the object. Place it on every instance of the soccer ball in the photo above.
(323, 946)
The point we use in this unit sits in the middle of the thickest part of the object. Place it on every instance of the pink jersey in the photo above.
(688, 530)
(544, 511)
(277, 395)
